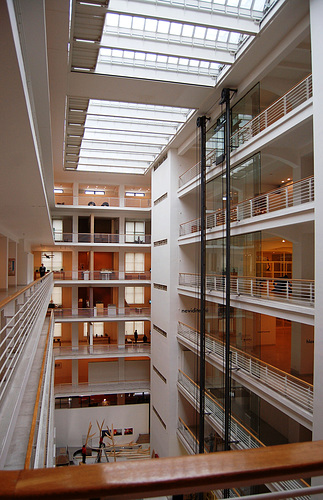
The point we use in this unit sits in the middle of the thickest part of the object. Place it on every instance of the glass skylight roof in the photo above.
(125, 137)
(179, 41)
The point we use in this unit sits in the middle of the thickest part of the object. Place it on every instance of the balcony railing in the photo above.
(291, 195)
(20, 314)
(114, 386)
(287, 103)
(102, 202)
(102, 350)
(294, 291)
(239, 434)
(104, 274)
(99, 238)
(106, 312)
(292, 388)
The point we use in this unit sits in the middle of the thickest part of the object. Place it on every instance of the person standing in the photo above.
(42, 270)
(135, 336)
(84, 454)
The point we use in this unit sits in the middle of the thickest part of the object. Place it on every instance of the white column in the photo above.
(316, 16)
(12, 261)
(4, 252)
(25, 265)
(75, 193)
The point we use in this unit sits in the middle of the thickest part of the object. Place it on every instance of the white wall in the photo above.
(72, 424)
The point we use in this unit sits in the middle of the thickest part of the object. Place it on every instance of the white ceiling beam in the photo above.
(128, 126)
(168, 114)
(165, 75)
(167, 48)
(189, 16)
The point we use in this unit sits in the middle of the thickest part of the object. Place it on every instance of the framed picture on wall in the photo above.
(11, 267)
(128, 431)
(117, 432)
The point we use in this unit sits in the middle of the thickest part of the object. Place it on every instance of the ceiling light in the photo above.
(58, 190)
(88, 191)
(99, 192)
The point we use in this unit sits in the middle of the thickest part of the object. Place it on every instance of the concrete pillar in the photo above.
(75, 193)
(12, 264)
(75, 228)
(75, 335)
(25, 265)
(316, 16)
(4, 252)
(75, 371)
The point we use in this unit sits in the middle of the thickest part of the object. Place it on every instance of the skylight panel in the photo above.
(175, 29)
(187, 30)
(173, 60)
(151, 57)
(211, 34)
(140, 56)
(162, 59)
(125, 21)
(183, 61)
(151, 25)
(234, 37)
(138, 23)
(112, 19)
(199, 32)
(163, 26)
(223, 36)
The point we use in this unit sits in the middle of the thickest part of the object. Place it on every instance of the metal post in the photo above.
(201, 123)
(227, 401)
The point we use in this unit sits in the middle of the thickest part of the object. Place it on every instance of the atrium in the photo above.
(160, 159)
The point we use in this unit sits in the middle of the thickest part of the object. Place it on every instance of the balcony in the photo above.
(110, 313)
(240, 436)
(292, 291)
(102, 238)
(112, 387)
(290, 101)
(102, 351)
(103, 275)
(68, 200)
(284, 386)
(285, 197)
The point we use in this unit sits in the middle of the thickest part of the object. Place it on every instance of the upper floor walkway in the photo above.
(240, 436)
(101, 202)
(26, 377)
(293, 298)
(115, 277)
(110, 313)
(290, 203)
(288, 393)
(282, 110)
(128, 350)
(97, 239)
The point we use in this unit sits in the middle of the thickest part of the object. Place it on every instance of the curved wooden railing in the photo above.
(168, 476)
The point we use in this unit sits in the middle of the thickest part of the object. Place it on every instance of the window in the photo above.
(56, 296)
(134, 262)
(98, 329)
(134, 294)
(131, 326)
(135, 232)
(58, 330)
(58, 230)
(53, 261)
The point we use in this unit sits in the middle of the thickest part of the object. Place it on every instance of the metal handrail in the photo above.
(21, 315)
(242, 436)
(67, 199)
(294, 291)
(299, 94)
(287, 196)
(93, 312)
(99, 238)
(285, 384)
(102, 275)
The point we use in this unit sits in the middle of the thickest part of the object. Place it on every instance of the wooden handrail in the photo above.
(7, 300)
(166, 476)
